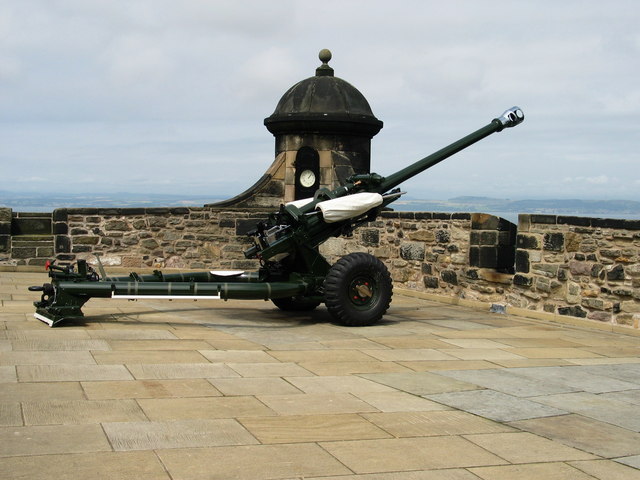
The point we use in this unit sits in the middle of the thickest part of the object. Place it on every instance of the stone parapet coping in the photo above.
(523, 312)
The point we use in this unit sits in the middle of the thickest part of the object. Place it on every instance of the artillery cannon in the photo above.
(356, 290)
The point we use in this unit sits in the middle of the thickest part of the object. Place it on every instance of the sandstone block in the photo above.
(422, 236)
(117, 225)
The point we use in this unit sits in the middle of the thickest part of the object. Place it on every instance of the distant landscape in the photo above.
(553, 206)
(507, 208)
(46, 202)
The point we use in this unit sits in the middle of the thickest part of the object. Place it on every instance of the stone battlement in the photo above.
(568, 266)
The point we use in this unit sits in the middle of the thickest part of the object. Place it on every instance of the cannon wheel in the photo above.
(295, 304)
(358, 290)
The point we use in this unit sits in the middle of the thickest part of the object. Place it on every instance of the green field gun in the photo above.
(356, 290)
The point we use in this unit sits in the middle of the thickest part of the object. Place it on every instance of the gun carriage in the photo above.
(356, 290)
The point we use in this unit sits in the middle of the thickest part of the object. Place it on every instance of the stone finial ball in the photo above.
(324, 55)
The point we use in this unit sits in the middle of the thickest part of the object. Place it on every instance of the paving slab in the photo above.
(509, 381)
(496, 405)
(534, 471)
(60, 344)
(50, 439)
(66, 412)
(402, 454)
(253, 386)
(413, 341)
(313, 404)
(536, 362)
(458, 324)
(46, 334)
(615, 351)
(74, 373)
(139, 345)
(163, 409)
(627, 372)
(32, 392)
(537, 342)
(238, 356)
(594, 339)
(607, 470)
(131, 334)
(483, 333)
(399, 402)
(189, 387)
(180, 370)
(633, 461)
(554, 353)
(275, 338)
(126, 436)
(269, 369)
(448, 474)
(123, 357)
(628, 396)
(586, 434)
(237, 344)
(433, 365)
(8, 374)
(482, 353)
(321, 356)
(349, 368)
(251, 462)
(474, 343)
(312, 428)
(10, 414)
(353, 344)
(524, 447)
(425, 424)
(337, 384)
(420, 383)
(576, 378)
(46, 358)
(590, 405)
(94, 465)
(409, 354)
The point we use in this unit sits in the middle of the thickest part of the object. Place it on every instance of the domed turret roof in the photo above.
(323, 104)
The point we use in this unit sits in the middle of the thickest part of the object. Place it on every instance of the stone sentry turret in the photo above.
(323, 128)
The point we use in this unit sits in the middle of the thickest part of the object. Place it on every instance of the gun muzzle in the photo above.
(511, 117)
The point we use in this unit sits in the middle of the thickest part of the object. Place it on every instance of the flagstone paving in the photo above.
(240, 390)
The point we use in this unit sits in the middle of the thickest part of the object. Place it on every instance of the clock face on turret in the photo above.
(307, 178)
(307, 173)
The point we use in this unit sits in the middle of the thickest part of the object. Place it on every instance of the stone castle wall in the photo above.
(566, 266)
(187, 238)
(578, 266)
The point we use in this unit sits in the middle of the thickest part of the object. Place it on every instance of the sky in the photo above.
(169, 97)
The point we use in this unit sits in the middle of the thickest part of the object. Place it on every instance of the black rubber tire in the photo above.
(295, 304)
(358, 290)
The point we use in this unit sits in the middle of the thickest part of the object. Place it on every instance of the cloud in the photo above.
(598, 180)
(146, 85)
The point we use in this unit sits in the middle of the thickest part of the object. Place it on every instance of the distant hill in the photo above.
(555, 205)
(551, 206)
(42, 202)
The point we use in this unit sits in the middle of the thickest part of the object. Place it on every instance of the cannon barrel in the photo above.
(510, 118)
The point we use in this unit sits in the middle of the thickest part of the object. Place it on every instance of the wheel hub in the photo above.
(361, 291)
